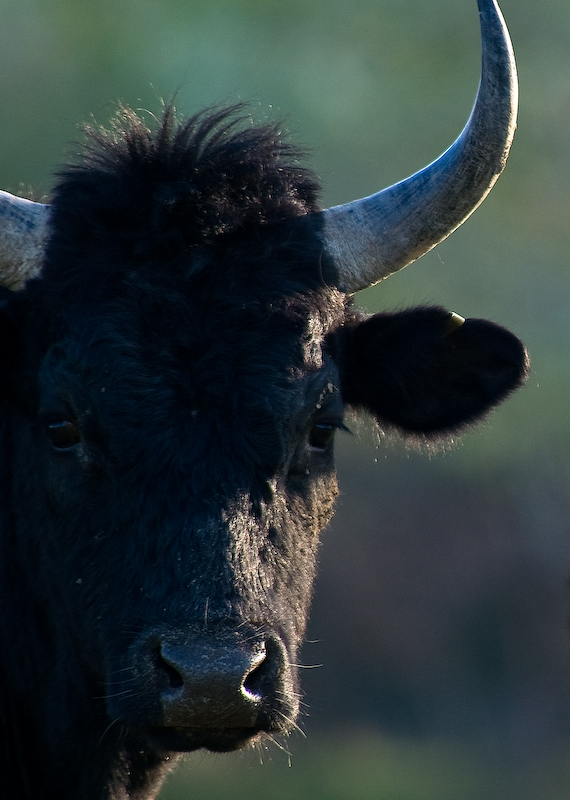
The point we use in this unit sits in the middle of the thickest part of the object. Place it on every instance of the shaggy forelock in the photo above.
(183, 184)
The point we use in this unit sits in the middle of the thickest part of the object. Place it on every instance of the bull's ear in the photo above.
(423, 371)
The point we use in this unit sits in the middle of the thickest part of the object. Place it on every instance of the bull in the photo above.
(178, 348)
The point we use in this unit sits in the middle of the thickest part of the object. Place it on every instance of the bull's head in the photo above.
(186, 455)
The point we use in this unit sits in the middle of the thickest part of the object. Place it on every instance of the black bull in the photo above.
(178, 347)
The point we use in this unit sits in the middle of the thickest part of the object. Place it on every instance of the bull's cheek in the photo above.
(312, 517)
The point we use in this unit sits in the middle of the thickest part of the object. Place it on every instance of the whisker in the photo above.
(123, 669)
(293, 724)
(106, 731)
(119, 682)
(259, 748)
(116, 694)
(287, 695)
(280, 746)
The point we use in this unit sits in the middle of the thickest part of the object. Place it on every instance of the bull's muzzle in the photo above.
(216, 680)
(213, 684)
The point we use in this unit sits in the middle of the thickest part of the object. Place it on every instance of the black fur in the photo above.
(170, 386)
(408, 371)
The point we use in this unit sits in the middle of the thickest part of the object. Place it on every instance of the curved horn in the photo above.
(377, 235)
(23, 233)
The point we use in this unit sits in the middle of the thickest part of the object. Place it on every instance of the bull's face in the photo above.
(182, 470)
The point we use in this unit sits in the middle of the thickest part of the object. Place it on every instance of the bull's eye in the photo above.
(321, 435)
(63, 434)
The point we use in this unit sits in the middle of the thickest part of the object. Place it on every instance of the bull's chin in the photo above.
(185, 740)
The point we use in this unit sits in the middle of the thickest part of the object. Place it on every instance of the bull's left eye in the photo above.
(63, 434)
(321, 435)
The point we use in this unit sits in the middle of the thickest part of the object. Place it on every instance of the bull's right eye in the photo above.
(321, 435)
(63, 434)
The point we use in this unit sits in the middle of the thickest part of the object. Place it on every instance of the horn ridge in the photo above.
(370, 238)
(23, 233)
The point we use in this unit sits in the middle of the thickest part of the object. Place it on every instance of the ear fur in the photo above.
(406, 370)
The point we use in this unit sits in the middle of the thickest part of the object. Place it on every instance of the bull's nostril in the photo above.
(174, 678)
(263, 672)
(252, 685)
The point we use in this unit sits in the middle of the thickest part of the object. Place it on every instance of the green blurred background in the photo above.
(441, 605)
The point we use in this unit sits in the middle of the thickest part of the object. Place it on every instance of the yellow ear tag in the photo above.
(454, 321)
